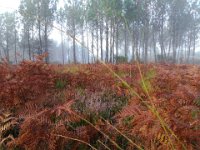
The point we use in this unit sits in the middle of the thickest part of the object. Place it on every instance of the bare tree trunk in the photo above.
(29, 46)
(68, 50)
(133, 45)
(46, 42)
(194, 47)
(146, 43)
(161, 41)
(32, 37)
(74, 41)
(189, 47)
(7, 48)
(40, 50)
(15, 46)
(169, 48)
(101, 39)
(92, 46)
(62, 44)
(23, 47)
(111, 44)
(83, 46)
(125, 42)
(107, 36)
(97, 34)
(40, 39)
(117, 42)
(154, 46)
(88, 49)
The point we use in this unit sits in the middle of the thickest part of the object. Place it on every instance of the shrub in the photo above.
(121, 59)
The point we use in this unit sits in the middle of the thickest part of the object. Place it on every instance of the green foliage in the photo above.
(60, 84)
(150, 74)
(146, 81)
(197, 101)
(127, 120)
(195, 114)
(74, 125)
(55, 119)
(123, 142)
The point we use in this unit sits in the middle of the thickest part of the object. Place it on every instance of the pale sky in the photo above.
(8, 5)
(12, 5)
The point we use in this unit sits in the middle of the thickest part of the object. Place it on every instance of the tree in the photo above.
(61, 20)
(27, 11)
(73, 11)
(8, 31)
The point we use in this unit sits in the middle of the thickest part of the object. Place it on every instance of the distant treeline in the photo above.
(107, 30)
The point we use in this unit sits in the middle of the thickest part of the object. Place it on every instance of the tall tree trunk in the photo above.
(189, 47)
(88, 49)
(125, 43)
(146, 43)
(117, 42)
(7, 48)
(23, 51)
(83, 45)
(101, 39)
(92, 46)
(74, 41)
(111, 44)
(29, 46)
(154, 46)
(174, 42)
(40, 39)
(32, 37)
(107, 38)
(161, 41)
(194, 47)
(97, 34)
(46, 42)
(40, 50)
(133, 45)
(62, 44)
(68, 50)
(15, 46)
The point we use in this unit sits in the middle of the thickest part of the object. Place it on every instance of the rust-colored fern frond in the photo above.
(76, 102)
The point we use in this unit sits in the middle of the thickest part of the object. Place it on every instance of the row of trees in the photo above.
(107, 30)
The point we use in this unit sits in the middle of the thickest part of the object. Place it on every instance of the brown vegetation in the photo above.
(86, 107)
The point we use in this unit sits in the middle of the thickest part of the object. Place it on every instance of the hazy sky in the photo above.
(11, 5)
(8, 5)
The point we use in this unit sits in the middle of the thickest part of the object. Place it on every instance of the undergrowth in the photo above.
(50, 107)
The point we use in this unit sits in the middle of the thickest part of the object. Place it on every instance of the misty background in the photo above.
(114, 31)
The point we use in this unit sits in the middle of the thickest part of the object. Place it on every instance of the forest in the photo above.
(100, 75)
(106, 30)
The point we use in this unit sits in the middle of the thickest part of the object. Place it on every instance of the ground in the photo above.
(98, 106)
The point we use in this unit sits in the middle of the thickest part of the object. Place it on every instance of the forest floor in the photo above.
(80, 107)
